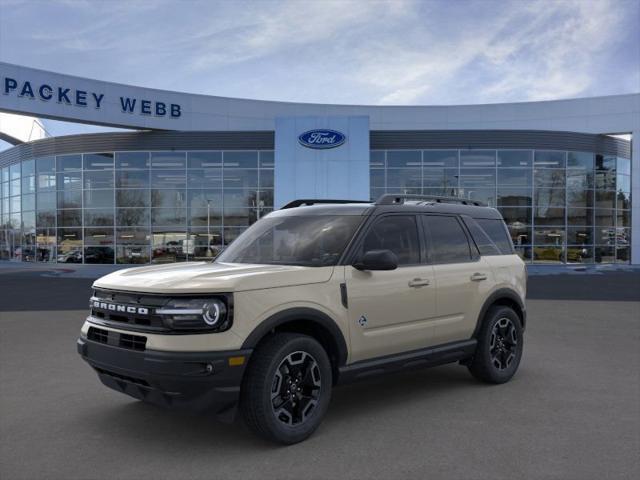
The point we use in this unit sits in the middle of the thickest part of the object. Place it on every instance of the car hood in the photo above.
(205, 277)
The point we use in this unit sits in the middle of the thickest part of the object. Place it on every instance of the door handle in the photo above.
(419, 282)
(477, 277)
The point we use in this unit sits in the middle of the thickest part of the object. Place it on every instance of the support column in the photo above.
(635, 197)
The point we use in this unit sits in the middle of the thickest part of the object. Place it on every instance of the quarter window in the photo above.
(448, 241)
(397, 233)
(497, 233)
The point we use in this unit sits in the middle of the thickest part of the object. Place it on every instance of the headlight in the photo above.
(197, 314)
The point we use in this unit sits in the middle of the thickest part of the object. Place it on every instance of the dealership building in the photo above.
(194, 171)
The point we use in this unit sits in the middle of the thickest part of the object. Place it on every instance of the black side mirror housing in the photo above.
(377, 260)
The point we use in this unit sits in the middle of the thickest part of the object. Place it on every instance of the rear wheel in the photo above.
(500, 344)
(287, 388)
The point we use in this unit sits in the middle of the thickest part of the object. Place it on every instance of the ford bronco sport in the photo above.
(318, 293)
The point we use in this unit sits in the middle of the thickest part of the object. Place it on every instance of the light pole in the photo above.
(209, 253)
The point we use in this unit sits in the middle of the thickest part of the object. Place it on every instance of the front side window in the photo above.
(397, 233)
(311, 241)
(448, 242)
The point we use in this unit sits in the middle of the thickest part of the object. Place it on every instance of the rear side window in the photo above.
(397, 233)
(497, 233)
(448, 242)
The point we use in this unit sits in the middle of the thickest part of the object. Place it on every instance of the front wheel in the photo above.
(287, 388)
(500, 344)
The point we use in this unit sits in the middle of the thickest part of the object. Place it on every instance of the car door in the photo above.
(462, 277)
(389, 310)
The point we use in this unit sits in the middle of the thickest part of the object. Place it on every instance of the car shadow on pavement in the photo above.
(135, 421)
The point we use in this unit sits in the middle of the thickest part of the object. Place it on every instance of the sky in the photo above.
(395, 52)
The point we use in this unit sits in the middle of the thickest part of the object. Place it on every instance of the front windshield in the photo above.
(312, 241)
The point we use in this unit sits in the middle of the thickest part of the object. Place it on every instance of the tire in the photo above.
(500, 345)
(297, 370)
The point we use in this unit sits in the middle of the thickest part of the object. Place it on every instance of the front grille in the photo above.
(128, 310)
(117, 376)
(133, 342)
(122, 340)
(98, 335)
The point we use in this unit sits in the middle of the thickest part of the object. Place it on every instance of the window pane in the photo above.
(132, 254)
(514, 197)
(238, 198)
(70, 180)
(623, 166)
(549, 236)
(605, 254)
(204, 244)
(204, 159)
(477, 158)
(396, 233)
(240, 159)
(168, 179)
(549, 159)
(548, 216)
(623, 183)
(549, 178)
(70, 218)
(69, 162)
(445, 178)
(28, 168)
(579, 178)
(70, 199)
(440, 159)
(98, 199)
(497, 232)
(206, 178)
(98, 179)
(514, 176)
(579, 216)
(168, 160)
(100, 255)
(132, 179)
(605, 235)
(266, 179)
(267, 159)
(98, 161)
(484, 195)
(605, 163)
(624, 218)
(138, 160)
(579, 254)
(46, 200)
(477, 177)
(132, 217)
(46, 219)
(376, 159)
(239, 178)
(447, 241)
(133, 236)
(580, 235)
(548, 254)
(132, 198)
(46, 181)
(546, 197)
(578, 197)
(29, 202)
(169, 217)
(582, 160)
(605, 199)
(43, 165)
(515, 158)
(605, 217)
(168, 198)
(95, 217)
(404, 158)
(404, 178)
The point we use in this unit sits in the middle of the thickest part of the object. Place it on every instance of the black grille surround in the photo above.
(136, 311)
(116, 339)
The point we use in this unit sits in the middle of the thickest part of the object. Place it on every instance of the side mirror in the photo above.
(377, 260)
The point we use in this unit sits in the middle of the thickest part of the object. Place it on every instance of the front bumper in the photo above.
(192, 380)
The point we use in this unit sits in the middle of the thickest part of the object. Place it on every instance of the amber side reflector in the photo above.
(236, 361)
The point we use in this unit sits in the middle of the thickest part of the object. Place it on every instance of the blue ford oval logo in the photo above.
(322, 138)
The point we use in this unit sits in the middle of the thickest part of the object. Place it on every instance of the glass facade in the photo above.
(131, 207)
(560, 207)
(167, 206)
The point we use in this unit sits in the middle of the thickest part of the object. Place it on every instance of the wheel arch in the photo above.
(506, 297)
(307, 321)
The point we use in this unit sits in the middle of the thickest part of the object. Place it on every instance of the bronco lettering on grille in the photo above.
(120, 308)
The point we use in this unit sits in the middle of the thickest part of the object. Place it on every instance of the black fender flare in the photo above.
(306, 314)
(501, 293)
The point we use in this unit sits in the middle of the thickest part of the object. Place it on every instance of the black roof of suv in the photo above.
(391, 203)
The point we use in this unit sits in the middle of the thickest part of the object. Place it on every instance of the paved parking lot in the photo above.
(572, 411)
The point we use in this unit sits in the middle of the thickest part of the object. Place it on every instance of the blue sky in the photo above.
(362, 52)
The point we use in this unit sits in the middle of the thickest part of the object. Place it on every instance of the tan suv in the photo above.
(318, 293)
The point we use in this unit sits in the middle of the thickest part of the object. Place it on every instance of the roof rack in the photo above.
(306, 202)
(399, 199)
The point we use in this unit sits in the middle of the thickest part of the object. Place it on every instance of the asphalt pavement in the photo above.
(571, 412)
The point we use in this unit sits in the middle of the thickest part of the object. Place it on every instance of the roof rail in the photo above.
(399, 199)
(309, 201)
